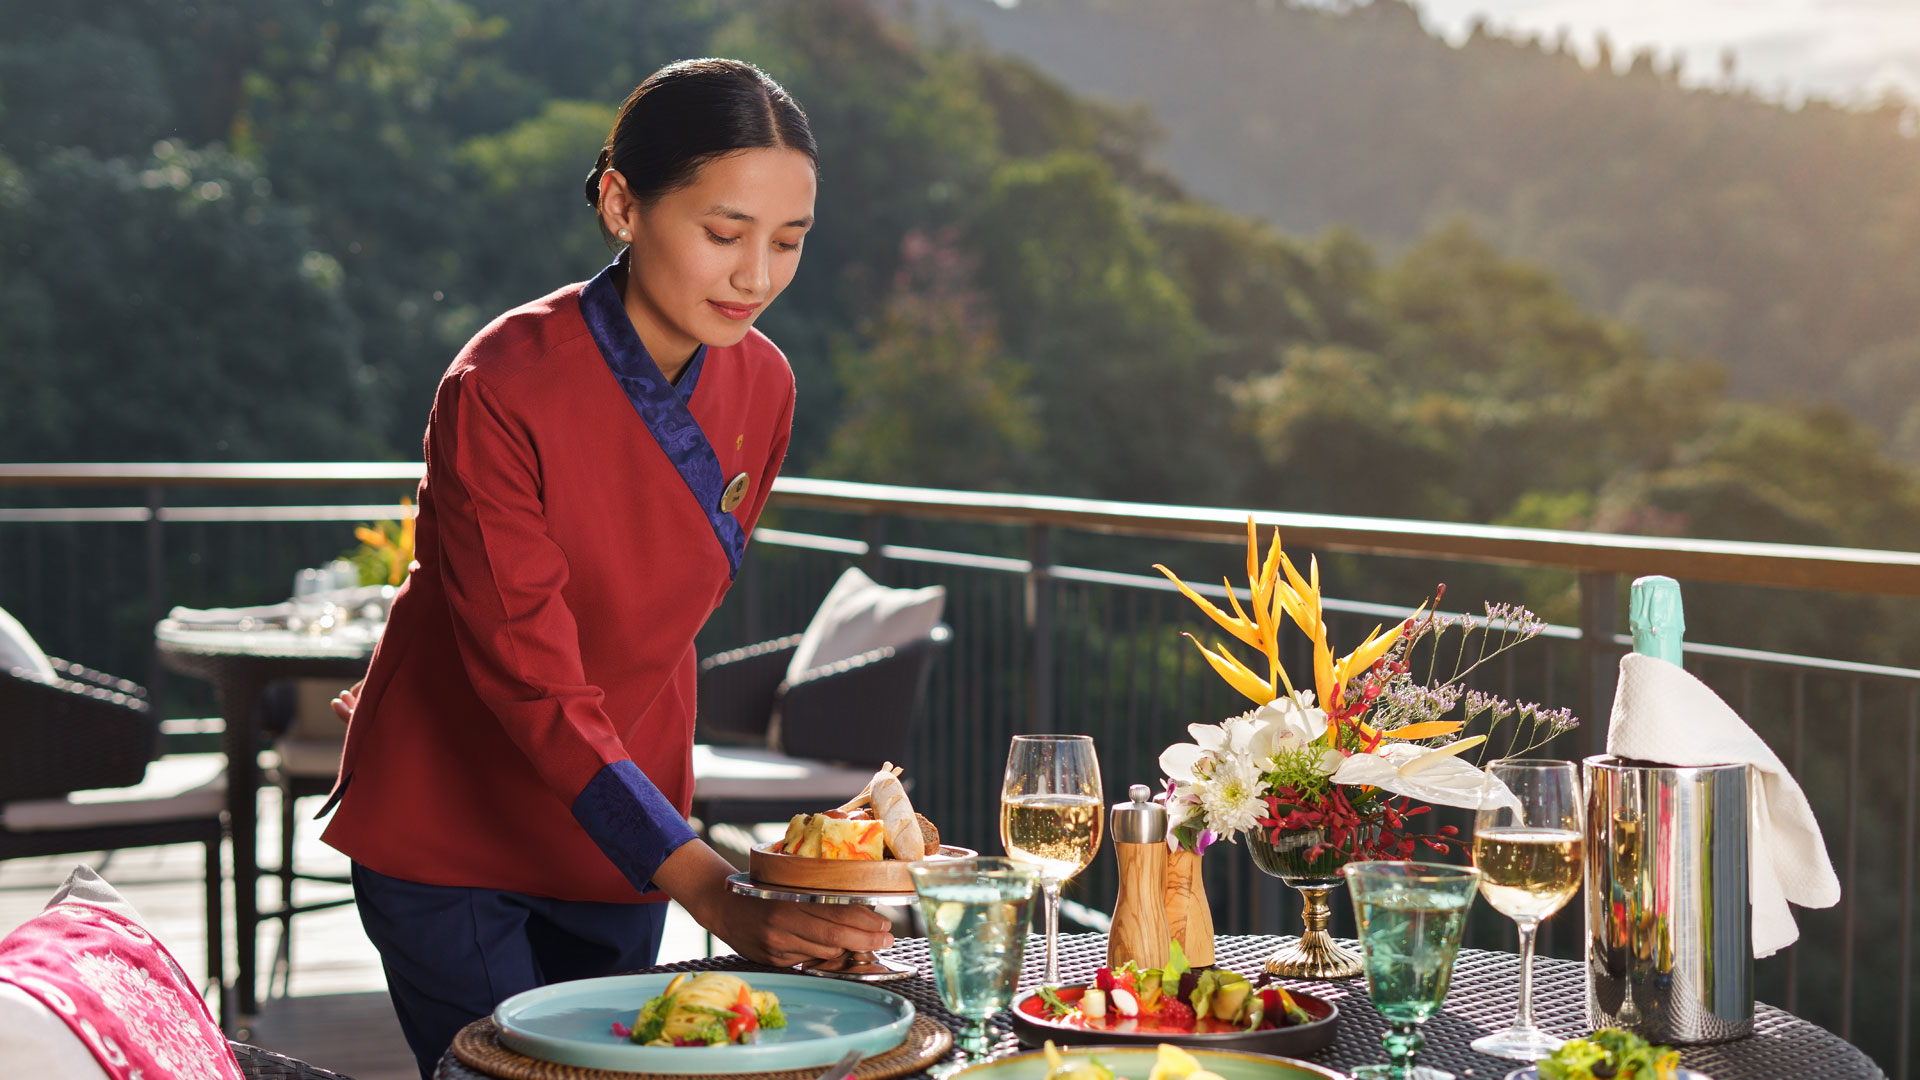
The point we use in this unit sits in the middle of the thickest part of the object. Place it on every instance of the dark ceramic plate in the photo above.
(1032, 1025)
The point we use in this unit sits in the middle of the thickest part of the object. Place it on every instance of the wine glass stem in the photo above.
(1403, 1040)
(1524, 1021)
(973, 1039)
(1050, 903)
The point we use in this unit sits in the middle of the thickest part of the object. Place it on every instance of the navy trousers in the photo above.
(452, 954)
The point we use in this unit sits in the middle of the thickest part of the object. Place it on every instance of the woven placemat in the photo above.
(478, 1046)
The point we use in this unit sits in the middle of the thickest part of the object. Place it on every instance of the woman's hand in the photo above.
(772, 932)
(345, 700)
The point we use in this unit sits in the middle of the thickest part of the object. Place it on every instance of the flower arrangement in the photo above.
(1366, 750)
(385, 554)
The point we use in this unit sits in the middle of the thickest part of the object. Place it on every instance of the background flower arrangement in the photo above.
(385, 554)
(1372, 746)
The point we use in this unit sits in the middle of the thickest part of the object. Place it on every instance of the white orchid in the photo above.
(1284, 723)
(1295, 719)
(1431, 776)
(1219, 775)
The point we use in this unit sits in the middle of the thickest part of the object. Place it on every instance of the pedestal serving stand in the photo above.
(861, 966)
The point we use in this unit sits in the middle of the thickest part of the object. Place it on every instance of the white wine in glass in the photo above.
(1529, 873)
(1051, 812)
(1529, 838)
(1059, 834)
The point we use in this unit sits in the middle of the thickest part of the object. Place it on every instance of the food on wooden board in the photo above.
(878, 823)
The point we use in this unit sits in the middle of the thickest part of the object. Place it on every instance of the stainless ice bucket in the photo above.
(1669, 926)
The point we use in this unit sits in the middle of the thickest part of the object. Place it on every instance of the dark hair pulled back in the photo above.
(690, 112)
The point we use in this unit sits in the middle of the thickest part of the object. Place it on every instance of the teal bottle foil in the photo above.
(1656, 618)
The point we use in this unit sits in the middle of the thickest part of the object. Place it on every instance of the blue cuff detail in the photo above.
(631, 821)
(662, 406)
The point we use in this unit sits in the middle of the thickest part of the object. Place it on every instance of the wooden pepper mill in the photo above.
(1139, 931)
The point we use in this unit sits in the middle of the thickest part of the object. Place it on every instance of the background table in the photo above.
(1482, 1000)
(240, 664)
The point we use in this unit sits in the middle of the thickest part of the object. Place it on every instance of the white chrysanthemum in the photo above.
(1232, 798)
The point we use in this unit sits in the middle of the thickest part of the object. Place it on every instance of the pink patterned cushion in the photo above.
(118, 991)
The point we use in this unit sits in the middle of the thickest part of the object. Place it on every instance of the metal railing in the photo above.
(1060, 627)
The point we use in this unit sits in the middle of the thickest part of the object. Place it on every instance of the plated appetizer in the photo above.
(876, 824)
(1611, 1054)
(711, 1008)
(1172, 1000)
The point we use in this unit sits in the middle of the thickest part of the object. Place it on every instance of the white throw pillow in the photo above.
(33, 1040)
(860, 615)
(17, 649)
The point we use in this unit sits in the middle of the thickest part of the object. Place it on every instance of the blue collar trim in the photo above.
(662, 405)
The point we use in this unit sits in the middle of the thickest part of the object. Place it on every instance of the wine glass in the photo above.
(1050, 817)
(1528, 841)
(977, 914)
(1410, 916)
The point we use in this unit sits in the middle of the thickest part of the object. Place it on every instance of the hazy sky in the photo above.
(1842, 49)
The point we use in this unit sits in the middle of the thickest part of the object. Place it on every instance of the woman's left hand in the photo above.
(345, 700)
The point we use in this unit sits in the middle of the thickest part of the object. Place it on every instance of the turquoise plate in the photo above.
(1135, 1062)
(571, 1023)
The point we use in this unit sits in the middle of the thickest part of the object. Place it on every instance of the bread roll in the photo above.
(896, 815)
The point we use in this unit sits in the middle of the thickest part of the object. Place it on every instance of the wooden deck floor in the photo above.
(334, 1010)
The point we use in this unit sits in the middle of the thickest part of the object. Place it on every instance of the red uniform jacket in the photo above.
(527, 719)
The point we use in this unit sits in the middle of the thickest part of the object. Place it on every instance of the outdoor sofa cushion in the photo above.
(18, 651)
(860, 615)
(176, 788)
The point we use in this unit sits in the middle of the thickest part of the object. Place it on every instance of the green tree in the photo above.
(1108, 335)
(171, 309)
(931, 399)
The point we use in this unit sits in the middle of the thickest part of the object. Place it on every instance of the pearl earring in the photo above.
(625, 235)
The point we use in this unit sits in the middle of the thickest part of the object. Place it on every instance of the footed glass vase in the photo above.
(1316, 955)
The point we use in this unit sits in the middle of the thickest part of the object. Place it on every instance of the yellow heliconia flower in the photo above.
(1295, 596)
(1428, 730)
(1238, 675)
(1260, 631)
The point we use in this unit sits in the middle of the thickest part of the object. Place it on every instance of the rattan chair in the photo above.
(86, 731)
(773, 747)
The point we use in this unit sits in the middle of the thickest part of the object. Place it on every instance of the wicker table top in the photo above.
(1482, 1000)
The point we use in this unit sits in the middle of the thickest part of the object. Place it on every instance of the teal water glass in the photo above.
(976, 911)
(1410, 916)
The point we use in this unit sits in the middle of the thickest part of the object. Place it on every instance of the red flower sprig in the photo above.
(1370, 831)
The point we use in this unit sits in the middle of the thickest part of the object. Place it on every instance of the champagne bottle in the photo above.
(1656, 619)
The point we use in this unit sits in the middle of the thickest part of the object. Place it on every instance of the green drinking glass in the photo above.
(1410, 916)
(977, 916)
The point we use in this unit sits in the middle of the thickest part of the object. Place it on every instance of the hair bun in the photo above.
(593, 177)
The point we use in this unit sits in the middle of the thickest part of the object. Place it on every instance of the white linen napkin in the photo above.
(226, 618)
(1662, 713)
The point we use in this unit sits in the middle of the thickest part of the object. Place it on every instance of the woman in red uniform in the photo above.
(517, 770)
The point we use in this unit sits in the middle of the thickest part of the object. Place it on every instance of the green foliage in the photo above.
(1003, 290)
(1776, 241)
(1104, 329)
(932, 400)
(171, 309)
